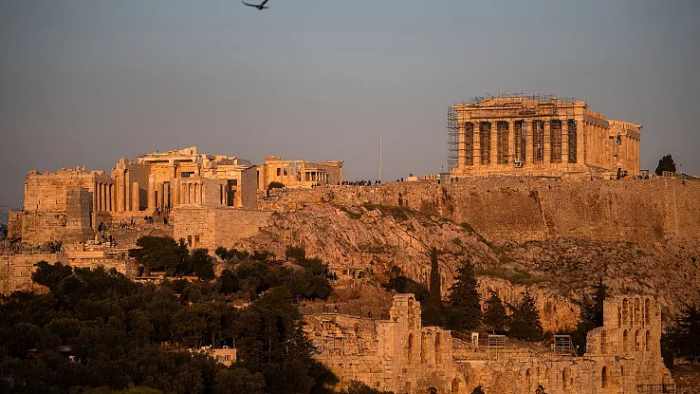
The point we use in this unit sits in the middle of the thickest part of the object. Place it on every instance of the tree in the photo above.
(478, 390)
(684, 338)
(239, 380)
(160, 253)
(591, 315)
(665, 164)
(275, 185)
(201, 264)
(495, 317)
(464, 307)
(525, 322)
(433, 311)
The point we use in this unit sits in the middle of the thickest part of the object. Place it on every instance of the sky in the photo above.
(85, 82)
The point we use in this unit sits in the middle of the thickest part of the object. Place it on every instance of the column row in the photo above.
(518, 142)
(103, 197)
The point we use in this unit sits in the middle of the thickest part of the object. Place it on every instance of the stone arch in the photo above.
(637, 311)
(625, 311)
(604, 377)
(625, 340)
(437, 347)
(423, 348)
(637, 343)
(647, 307)
(409, 347)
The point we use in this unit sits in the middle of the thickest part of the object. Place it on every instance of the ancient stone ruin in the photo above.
(400, 355)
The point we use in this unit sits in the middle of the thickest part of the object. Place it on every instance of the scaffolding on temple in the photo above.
(452, 139)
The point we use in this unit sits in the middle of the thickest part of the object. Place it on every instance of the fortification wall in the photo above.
(524, 208)
(70, 224)
(401, 355)
(210, 228)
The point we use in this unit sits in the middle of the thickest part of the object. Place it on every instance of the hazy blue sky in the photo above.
(88, 81)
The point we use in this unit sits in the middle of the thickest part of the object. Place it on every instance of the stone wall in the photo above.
(14, 225)
(72, 223)
(402, 356)
(524, 208)
(16, 269)
(210, 228)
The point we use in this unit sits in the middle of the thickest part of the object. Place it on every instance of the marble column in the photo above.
(564, 141)
(476, 151)
(510, 155)
(461, 146)
(494, 143)
(528, 129)
(547, 141)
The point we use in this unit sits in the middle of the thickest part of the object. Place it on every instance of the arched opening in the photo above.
(455, 386)
(647, 341)
(625, 346)
(625, 311)
(636, 341)
(437, 348)
(423, 349)
(410, 347)
(647, 305)
(619, 317)
(528, 380)
(565, 378)
(604, 377)
(637, 311)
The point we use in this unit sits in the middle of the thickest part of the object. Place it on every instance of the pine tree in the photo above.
(591, 315)
(495, 317)
(464, 303)
(665, 164)
(685, 336)
(525, 322)
(433, 313)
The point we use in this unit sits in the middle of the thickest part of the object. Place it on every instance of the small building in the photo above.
(299, 173)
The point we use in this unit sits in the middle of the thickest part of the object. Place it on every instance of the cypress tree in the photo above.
(433, 313)
(525, 322)
(591, 315)
(495, 317)
(464, 302)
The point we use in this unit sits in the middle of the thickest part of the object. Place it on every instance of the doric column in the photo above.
(151, 199)
(564, 140)
(135, 197)
(476, 152)
(581, 131)
(127, 204)
(494, 143)
(461, 146)
(528, 128)
(112, 196)
(547, 141)
(511, 142)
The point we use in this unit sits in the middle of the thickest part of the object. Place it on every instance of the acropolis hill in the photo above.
(544, 197)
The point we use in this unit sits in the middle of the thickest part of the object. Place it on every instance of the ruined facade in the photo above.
(299, 173)
(70, 205)
(402, 356)
(523, 135)
(209, 228)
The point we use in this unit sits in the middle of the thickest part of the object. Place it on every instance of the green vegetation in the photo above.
(402, 284)
(433, 310)
(511, 274)
(275, 185)
(463, 310)
(525, 321)
(665, 164)
(96, 331)
(591, 316)
(495, 318)
(683, 340)
(164, 254)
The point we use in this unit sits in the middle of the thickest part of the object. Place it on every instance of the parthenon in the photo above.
(539, 135)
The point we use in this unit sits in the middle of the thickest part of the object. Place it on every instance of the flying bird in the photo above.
(260, 6)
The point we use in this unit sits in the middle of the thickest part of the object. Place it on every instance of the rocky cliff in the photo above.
(551, 237)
